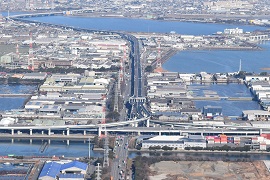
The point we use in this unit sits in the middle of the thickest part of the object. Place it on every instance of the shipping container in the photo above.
(260, 139)
(254, 140)
(210, 137)
(217, 140)
(267, 141)
(236, 138)
(222, 136)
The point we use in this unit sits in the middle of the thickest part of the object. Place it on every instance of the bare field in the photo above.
(208, 170)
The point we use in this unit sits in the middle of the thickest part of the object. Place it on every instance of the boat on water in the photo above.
(7, 163)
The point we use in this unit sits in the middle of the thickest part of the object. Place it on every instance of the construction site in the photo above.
(204, 170)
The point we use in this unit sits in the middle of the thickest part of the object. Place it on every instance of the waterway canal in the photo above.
(80, 148)
(8, 103)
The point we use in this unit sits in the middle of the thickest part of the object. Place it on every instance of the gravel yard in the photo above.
(206, 170)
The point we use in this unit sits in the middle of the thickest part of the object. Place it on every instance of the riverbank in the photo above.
(230, 48)
(194, 18)
(200, 151)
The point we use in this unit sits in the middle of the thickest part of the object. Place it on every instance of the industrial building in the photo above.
(178, 142)
(63, 170)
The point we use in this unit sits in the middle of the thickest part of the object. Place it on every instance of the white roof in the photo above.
(166, 138)
(7, 121)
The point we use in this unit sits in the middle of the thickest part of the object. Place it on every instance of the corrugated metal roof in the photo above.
(12, 177)
(71, 176)
(76, 164)
(50, 169)
(163, 142)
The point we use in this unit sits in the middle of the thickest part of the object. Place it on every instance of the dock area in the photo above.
(218, 98)
(15, 95)
(45, 136)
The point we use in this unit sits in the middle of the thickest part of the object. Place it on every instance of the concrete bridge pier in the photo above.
(99, 131)
(260, 131)
(68, 131)
(159, 133)
(68, 142)
(31, 132)
(139, 133)
(84, 132)
(12, 131)
(49, 131)
(30, 141)
(42, 132)
(12, 141)
(63, 133)
(49, 141)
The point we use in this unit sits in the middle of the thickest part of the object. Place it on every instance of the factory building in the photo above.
(179, 142)
(63, 170)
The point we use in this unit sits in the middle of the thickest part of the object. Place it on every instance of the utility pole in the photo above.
(106, 144)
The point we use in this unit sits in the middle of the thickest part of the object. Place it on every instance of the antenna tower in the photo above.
(158, 65)
(31, 54)
(17, 51)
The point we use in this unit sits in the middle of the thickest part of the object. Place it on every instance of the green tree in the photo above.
(148, 69)
(138, 147)
(113, 115)
(263, 74)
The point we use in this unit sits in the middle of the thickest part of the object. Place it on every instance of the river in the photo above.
(20, 147)
(219, 61)
(229, 108)
(142, 25)
(8, 103)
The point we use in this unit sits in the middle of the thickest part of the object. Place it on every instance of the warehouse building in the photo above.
(63, 170)
(179, 142)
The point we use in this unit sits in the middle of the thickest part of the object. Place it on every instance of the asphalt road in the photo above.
(118, 171)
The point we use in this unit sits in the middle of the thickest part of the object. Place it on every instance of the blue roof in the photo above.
(76, 164)
(71, 176)
(51, 169)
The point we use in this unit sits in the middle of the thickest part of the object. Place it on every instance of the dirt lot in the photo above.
(206, 170)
